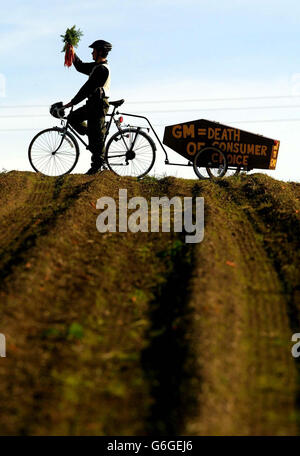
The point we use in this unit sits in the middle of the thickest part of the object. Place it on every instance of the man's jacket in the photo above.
(97, 86)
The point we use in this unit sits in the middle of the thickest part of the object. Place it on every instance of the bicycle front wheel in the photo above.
(130, 152)
(53, 152)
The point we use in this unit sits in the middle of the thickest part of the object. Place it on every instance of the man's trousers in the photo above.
(94, 114)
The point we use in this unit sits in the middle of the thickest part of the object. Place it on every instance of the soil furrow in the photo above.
(272, 209)
(261, 369)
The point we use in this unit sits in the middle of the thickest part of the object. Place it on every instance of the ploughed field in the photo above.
(141, 333)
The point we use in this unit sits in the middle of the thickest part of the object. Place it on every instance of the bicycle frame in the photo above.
(133, 132)
(67, 127)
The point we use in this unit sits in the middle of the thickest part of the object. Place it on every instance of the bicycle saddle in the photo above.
(116, 103)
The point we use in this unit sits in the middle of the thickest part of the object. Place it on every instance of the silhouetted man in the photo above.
(96, 90)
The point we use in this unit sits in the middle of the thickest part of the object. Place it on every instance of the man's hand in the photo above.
(68, 105)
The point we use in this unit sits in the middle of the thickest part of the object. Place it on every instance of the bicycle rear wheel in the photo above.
(53, 152)
(210, 162)
(130, 152)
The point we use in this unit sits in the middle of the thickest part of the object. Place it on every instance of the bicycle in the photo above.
(129, 152)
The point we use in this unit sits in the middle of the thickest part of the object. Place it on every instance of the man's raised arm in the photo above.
(82, 67)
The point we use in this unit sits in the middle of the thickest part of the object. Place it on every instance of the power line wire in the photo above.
(215, 99)
(172, 101)
(24, 115)
(162, 125)
(23, 106)
(247, 121)
(20, 129)
(245, 108)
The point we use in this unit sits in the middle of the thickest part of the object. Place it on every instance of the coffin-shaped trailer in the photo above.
(215, 149)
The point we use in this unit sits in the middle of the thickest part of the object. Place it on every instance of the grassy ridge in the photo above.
(140, 333)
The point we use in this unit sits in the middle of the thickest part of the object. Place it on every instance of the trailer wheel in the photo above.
(233, 171)
(210, 162)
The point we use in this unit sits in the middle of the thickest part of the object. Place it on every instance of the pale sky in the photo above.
(235, 62)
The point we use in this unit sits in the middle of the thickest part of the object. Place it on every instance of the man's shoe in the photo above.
(96, 166)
